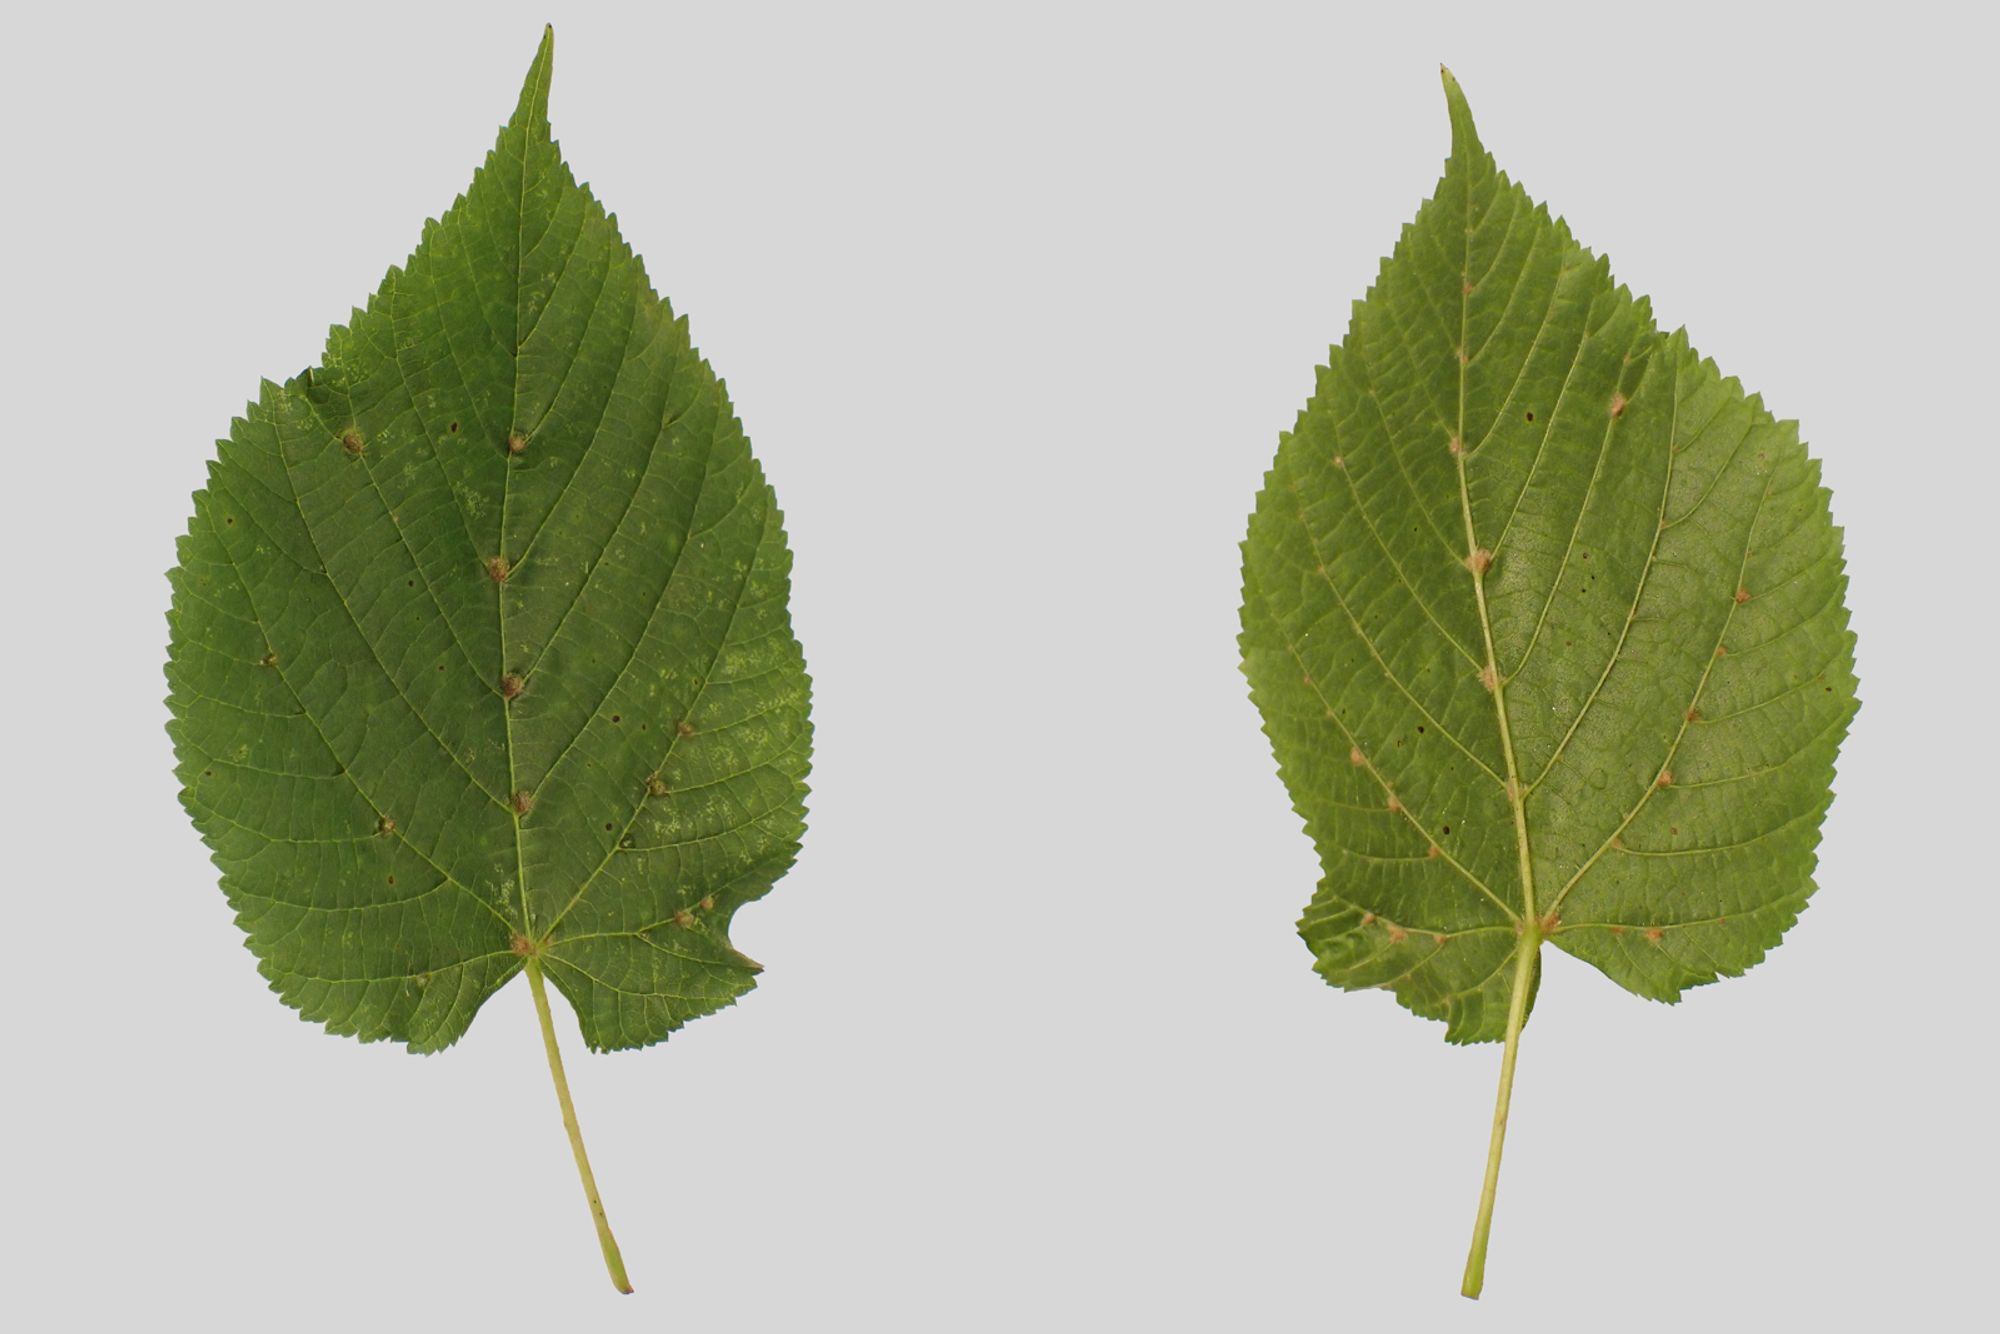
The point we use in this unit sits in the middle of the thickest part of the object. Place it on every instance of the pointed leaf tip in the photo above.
(533, 108)
(1464, 135)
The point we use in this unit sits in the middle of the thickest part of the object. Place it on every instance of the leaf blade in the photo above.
(1493, 343)
(457, 612)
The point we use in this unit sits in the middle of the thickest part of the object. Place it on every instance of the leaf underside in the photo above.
(480, 643)
(1524, 555)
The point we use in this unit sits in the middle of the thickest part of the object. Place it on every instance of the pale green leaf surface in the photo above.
(1663, 608)
(350, 744)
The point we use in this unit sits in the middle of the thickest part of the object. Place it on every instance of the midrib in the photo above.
(1516, 797)
(506, 489)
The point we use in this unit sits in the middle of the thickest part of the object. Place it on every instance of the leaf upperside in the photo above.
(531, 113)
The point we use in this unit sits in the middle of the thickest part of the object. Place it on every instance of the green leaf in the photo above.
(1545, 620)
(481, 660)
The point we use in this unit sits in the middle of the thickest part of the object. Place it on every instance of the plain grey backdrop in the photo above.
(1014, 301)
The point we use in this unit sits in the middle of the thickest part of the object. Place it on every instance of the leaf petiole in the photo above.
(1517, 1014)
(613, 1261)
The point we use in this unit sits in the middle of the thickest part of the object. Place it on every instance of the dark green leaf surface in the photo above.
(1545, 619)
(480, 646)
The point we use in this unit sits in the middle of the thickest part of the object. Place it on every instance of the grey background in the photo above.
(1014, 301)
